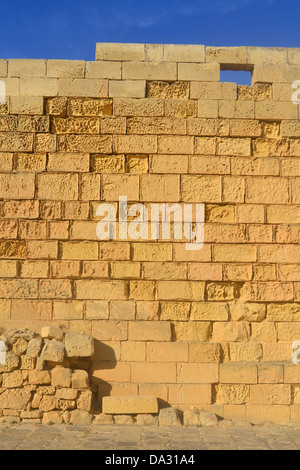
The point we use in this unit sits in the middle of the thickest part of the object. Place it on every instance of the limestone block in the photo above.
(53, 351)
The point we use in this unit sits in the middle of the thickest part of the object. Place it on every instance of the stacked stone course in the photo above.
(211, 328)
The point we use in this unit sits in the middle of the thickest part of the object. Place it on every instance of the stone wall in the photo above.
(211, 328)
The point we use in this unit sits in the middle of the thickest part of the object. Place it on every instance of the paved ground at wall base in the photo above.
(39, 437)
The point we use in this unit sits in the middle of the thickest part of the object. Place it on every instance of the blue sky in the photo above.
(69, 29)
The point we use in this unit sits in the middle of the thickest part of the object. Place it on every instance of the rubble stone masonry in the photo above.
(211, 328)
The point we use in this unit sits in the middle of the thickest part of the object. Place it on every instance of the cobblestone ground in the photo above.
(41, 437)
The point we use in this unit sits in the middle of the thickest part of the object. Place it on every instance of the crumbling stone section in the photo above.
(46, 377)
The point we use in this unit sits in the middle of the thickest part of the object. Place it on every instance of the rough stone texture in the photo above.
(80, 418)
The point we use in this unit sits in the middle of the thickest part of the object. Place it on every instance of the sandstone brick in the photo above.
(250, 312)
(231, 331)
(68, 310)
(174, 145)
(61, 377)
(175, 90)
(115, 251)
(181, 108)
(79, 250)
(87, 87)
(204, 352)
(201, 188)
(275, 291)
(133, 351)
(110, 372)
(84, 143)
(175, 311)
(38, 86)
(123, 52)
(147, 310)
(238, 373)
(197, 373)
(90, 107)
(199, 72)
(270, 394)
(59, 289)
(17, 186)
(267, 55)
(160, 373)
(41, 249)
(66, 68)
(39, 377)
(151, 252)
(103, 69)
(160, 188)
(180, 290)
(184, 53)
(14, 399)
(80, 379)
(137, 164)
(122, 310)
(237, 272)
(96, 310)
(167, 352)
(142, 290)
(129, 405)
(205, 271)
(113, 125)
(138, 144)
(276, 352)
(58, 186)
(12, 379)
(37, 310)
(209, 312)
(57, 106)
(275, 110)
(149, 71)
(213, 91)
(155, 331)
(192, 331)
(138, 107)
(127, 88)
(115, 186)
(108, 163)
(226, 55)
(283, 312)
(247, 352)
(234, 253)
(109, 330)
(168, 164)
(233, 394)
(270, 373)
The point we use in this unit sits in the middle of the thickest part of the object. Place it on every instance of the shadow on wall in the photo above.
(104, 365)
